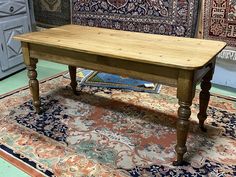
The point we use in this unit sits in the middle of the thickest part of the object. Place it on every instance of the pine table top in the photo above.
(161, 50)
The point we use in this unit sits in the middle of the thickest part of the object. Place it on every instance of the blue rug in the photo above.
(87, 77)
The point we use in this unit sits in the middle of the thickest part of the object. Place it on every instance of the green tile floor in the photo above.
(8, 170)
(46, 69)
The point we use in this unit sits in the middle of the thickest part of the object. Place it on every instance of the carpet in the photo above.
(86, 77)
(114, 133)
(50, 13)
(169, 17)
(219, 21)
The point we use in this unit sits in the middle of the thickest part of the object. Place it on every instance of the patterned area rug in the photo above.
(86, 77)
(52, 12)
(220, 20)
(170, 17)
(114, 133)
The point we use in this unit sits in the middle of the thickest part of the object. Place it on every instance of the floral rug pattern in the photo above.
(169, 17)
(220, 20)
(108, 132)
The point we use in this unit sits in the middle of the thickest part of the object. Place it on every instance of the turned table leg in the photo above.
(72, 71)
(32, 74)
(184, 113)
(185, 94)
(204, 98)
(33, 83)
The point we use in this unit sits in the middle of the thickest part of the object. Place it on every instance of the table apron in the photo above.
(144, 71)
(200, 73)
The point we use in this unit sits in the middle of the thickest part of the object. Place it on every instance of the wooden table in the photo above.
(175, 61)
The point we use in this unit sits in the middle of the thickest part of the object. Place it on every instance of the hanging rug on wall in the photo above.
(219, 21)
(170, 17)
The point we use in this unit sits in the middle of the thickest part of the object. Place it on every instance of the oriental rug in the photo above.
(50, 13)
(114, 133)
(219, 22)
(170, 17)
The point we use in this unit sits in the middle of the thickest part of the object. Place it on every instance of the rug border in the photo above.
(16, 162)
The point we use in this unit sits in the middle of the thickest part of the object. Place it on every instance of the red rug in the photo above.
(220, 21)
(108, 132)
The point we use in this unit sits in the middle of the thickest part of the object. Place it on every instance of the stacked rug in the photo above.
(109, 132)
(86, 77)
(172, 17)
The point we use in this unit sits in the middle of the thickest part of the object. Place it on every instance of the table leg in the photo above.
(33, 83)
(204, 98)
(184, 113)
(32, 74)
(72, 71)
(185, 94)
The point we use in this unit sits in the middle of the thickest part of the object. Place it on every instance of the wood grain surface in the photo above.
(161, 50)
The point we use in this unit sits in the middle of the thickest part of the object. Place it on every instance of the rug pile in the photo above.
(109, 132)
